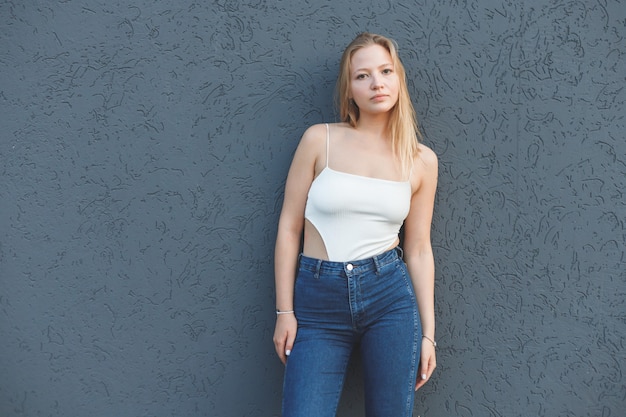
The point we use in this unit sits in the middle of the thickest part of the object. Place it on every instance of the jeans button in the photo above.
(349, 267)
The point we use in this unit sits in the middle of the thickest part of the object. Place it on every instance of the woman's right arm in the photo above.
(290, 228)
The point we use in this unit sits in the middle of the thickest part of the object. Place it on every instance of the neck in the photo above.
(374, 125)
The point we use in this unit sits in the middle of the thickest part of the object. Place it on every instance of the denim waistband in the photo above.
(373, 264)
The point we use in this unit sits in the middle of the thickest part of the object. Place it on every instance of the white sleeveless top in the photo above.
(357, 217)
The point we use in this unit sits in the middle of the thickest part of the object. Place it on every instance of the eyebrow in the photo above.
(388, 64)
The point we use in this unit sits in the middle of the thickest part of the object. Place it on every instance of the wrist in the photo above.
(430, 339)
(283, 312)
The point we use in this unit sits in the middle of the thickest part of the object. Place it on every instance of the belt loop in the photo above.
(318, 267)
(377, 264)
(400, 252)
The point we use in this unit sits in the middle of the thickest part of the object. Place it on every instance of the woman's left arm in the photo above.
(418, 254)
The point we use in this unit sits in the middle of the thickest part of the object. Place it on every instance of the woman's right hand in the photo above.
(285, 335)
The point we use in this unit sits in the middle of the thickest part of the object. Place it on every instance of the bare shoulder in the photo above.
(311, 150)
(427, 157)
(425, 167)
(313, 137)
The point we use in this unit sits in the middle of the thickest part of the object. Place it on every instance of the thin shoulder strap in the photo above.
(327, 143)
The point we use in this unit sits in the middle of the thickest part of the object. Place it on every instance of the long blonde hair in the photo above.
(402, 127)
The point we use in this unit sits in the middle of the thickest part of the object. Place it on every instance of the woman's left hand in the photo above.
(428, 363)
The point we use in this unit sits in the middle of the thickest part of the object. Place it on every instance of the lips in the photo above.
(379, 97)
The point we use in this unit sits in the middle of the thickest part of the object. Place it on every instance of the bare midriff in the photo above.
(314, 244)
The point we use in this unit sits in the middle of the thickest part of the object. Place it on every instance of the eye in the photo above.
(387, 71)
(361, 76)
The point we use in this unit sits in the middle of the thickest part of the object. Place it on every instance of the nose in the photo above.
(376, 82)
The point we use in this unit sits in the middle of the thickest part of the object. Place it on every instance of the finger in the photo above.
(279, 346)
(420, 384)
(422, 378)
(426, 369)
(291, 337)
(280, 351)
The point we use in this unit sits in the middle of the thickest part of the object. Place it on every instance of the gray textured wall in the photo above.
(143, 150)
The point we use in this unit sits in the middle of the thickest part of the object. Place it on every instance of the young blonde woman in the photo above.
(350, 188)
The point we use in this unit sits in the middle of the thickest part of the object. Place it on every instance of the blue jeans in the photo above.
(368, 304)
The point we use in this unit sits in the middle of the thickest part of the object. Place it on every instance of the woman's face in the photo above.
(374, 84)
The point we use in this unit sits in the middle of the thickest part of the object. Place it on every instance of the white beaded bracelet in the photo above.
(278, 312)
(430, 340)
